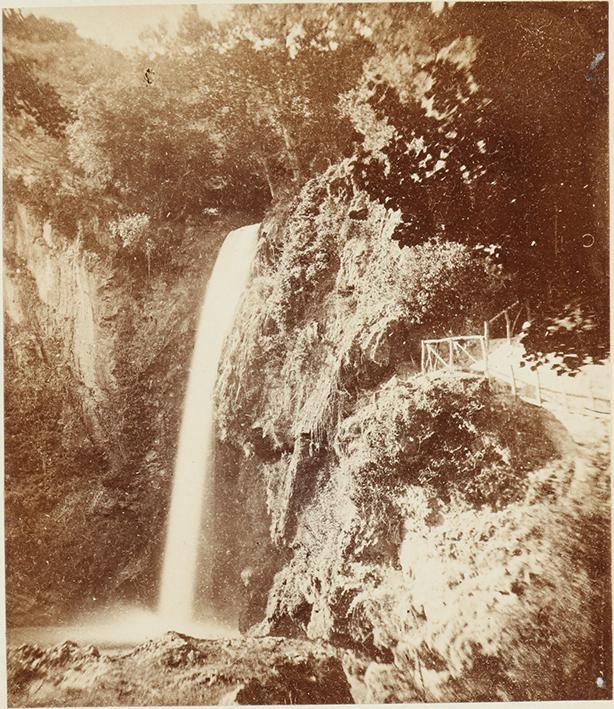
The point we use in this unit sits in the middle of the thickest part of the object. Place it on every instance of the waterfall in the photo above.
(189, 524)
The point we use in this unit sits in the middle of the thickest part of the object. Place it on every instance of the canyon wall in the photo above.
(435, 528)
(451, 540)
(97, 346)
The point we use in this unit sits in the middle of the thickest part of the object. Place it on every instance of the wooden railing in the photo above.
(512, 318)
(454, 353)
(470, 354)
(575, 395)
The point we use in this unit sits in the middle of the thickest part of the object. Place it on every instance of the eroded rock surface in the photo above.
(455, 536)
(178, 669)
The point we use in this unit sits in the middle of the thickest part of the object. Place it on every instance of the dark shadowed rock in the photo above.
(298, 682)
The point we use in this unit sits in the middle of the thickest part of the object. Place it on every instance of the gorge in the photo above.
(228, 478)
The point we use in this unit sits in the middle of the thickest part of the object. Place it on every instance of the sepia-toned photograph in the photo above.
(307, 380)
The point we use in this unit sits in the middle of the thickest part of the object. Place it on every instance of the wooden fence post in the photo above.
(486, 333)
(508, 327)
(520, 309)
(539, 388)
(484, 346)
(422, 356)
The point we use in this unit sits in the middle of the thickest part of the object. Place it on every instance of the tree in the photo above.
(25, 92)
(473, 131)
(258, 77)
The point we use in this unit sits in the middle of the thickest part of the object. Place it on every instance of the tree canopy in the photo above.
(485, 124)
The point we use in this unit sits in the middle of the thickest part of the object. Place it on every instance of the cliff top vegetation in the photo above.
(477, 128)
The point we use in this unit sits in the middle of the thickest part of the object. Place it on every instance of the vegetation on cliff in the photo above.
(452, 541)
(433, 526)
(461, 121)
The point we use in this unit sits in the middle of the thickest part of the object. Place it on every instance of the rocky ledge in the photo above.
(180, 670)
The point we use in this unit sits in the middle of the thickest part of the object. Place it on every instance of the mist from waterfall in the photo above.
(189, 532)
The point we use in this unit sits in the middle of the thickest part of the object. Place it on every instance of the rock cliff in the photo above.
(97, 346)
(438, 531)
(434, 526)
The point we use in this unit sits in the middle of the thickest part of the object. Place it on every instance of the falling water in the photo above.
(186, 535)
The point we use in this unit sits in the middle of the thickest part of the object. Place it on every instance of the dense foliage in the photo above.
(481, 139)
(469, 122)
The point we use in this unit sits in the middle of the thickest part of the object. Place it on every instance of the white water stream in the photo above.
(190, 518)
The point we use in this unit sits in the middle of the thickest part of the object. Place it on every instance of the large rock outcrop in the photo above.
(54, 291)
(433, 526)
(179, 670)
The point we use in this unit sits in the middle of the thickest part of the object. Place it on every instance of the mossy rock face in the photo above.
(427, 524)
(298, 682)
